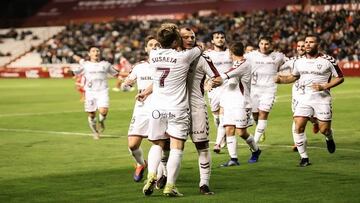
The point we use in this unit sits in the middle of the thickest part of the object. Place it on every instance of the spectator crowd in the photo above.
(339, 33)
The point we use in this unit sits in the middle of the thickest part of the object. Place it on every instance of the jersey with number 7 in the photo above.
(169, 78)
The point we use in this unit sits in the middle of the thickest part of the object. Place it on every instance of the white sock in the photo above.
(260, 129)
(154, 158)
(300, 141)
(204, 166)
(252, 144)
(220, 130)
(173, 165)
(102, 118)
(162, 166)
(216, 120)
(231, 142)
(293, 127)
(329, 136)
(92, 124)
(138, 156)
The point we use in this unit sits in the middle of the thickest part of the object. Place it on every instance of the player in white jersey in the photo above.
(265, 64)
(287, 68)
(237, 106)
(141, 74)
(314, 73)
(220, 57)
(96, 88)
(199, 131)
(170, 107)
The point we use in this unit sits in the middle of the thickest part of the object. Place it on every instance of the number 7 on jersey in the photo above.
(165, 73)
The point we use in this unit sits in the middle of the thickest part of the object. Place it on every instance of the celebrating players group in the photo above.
(241, 85)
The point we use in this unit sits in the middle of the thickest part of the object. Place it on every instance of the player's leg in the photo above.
(103, 111)
(92, 124)
(261, 125)
(157, 136)
(154, 158)
(162, 171)
(323, 113)
(204, 161)
(301, 140)
(90, 105)
(134, 142)
(173, 166)
(177, 128)
(220, 134)
(103, 105)
(231, 142)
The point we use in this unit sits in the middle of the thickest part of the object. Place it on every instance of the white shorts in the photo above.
(199, 131)
(139, 124)
(95, 100)
(238, 117)
(263, 101)
(214, 98)
(176, 123)
(322, 112)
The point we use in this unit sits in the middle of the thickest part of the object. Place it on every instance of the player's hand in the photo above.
(76, 58)
(277, 79)
(141, 97)
(208, 85)
(317, 87)
(216, 82)
(129, 82)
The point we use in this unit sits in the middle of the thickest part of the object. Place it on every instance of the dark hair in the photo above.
(148, 38)
(93, 46)
(167, 34)
(267, 38)
(237, 48)
(314, 36)
(217, 32)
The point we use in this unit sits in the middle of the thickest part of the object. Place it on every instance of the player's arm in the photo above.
(333, 83)
(285, 79)
(211, 72)
(141, 96)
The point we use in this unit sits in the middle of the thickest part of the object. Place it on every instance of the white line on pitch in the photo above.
(109, 135)
(49, 113)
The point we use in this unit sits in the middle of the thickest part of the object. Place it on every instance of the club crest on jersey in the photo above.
(319, 66)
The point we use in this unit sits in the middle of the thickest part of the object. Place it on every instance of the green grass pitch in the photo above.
(47, 154)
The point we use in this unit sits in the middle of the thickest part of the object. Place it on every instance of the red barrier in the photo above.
(36, 72)
(351, 69)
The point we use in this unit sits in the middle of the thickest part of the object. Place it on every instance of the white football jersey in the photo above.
(169, 78)
(223, 63)
(198, 71)
(142, 73)
(237, 92)
(315, 70)
(95, 74)
(264, 68)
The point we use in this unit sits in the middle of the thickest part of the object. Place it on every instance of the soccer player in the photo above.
(237, 106)
(287, 67)
(220, 57)
(314, 73)
(170, 108)
(96, 88)
(265, 64)
(199, 131)
(141, 74)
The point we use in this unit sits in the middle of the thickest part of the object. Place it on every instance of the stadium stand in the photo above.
(119, 27)
(17, 42)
